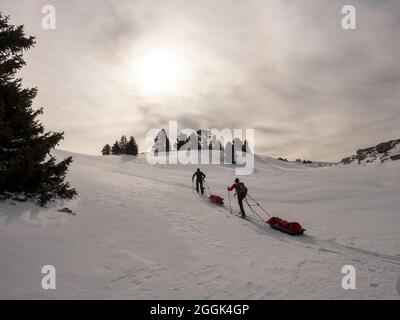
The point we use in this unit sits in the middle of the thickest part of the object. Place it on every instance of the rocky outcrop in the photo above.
(389, 150)
(395, 157)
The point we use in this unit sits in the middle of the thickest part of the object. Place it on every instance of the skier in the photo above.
(199, 180)
(241, 192)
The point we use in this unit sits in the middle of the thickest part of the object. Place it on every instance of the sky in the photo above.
(285, 68)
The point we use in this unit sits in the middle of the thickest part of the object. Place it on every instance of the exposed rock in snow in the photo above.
(68, 211)
(389, 150)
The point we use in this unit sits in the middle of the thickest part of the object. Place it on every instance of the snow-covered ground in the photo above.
(142, 232)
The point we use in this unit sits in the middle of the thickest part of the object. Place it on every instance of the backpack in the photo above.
(242, 190)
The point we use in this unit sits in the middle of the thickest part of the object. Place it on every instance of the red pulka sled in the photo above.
(292, 228)
(216, 199)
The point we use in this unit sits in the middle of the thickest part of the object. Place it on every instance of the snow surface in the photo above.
(141, 232)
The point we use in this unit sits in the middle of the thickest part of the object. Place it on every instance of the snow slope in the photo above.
(141, 232)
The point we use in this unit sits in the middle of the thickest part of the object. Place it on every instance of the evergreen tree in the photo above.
(228, 153)
(26, 165)
(204, 138)
(236, 147)
(167, 144)
(122, 144)
(161, 142)
(245, 146)
(233, 153)
(106, 150)
(181, 140)
(192, 142)
(215, 143)
(212, 145)
(115, 149)
(132, 147)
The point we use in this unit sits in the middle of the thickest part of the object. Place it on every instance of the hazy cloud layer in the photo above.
(285, 68)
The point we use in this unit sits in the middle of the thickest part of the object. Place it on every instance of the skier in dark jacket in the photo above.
(241, 192)
(199, 180)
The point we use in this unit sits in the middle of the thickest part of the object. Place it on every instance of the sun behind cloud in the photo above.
(160, 72)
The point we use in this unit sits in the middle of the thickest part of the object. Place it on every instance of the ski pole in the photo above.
(229, 201)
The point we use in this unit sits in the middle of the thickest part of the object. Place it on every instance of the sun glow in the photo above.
(160, 72)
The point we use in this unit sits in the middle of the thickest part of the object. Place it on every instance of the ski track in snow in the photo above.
(142, 232)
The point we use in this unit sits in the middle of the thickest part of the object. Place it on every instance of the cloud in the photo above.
(309, 88)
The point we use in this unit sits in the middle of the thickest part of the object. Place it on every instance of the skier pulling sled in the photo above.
(200, 176)
(291, 228)
(200, 183)
(241, 193)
